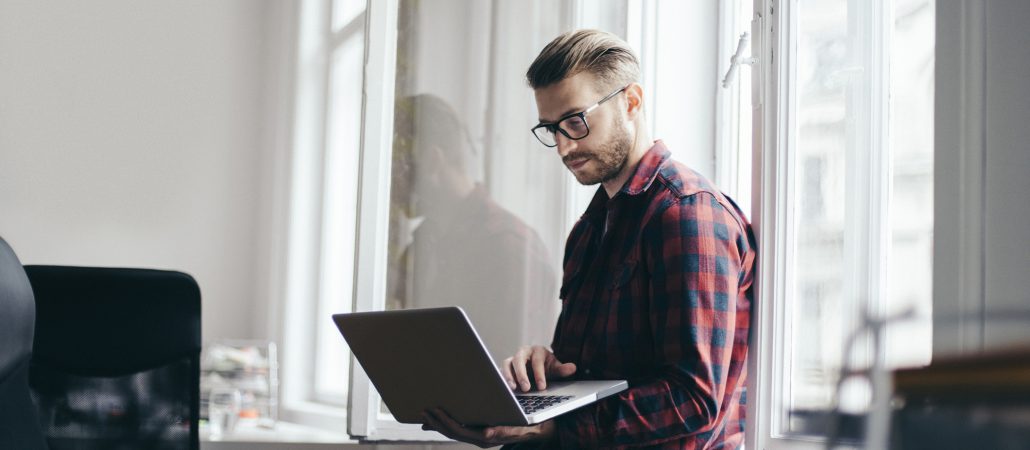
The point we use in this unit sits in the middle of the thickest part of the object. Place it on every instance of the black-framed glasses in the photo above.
(574, 126)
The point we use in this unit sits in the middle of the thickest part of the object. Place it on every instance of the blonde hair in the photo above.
(598, 52)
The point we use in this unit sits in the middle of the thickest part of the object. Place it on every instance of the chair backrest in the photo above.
(116, 360)
(18, 425)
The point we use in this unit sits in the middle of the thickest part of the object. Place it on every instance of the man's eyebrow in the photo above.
(562, 115)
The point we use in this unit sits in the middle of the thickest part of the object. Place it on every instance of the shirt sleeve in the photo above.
(692, 250)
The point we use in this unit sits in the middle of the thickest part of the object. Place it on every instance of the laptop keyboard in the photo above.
(533, 403)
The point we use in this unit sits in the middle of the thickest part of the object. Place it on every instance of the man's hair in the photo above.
(598, 52)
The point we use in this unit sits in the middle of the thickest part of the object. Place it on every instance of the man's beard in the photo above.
(611, 157)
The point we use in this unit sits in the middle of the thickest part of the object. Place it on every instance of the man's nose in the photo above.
(565, 145)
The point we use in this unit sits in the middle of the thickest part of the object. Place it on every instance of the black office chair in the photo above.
(18, 426)
(116, 362)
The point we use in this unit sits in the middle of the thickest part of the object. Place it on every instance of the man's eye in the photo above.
(574, 124)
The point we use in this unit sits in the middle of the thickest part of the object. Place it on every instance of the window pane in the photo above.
(475, 219)
(839, 270)
(739, 186)
(911, 208)
(820, 311)
(339, 201)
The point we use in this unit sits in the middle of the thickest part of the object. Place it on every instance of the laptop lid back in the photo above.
(423, 358)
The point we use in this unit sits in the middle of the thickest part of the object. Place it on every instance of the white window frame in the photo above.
(303, 231)
(366, 419)
(771, 97)
(642, 35)
(732, 166)
(299, 271)
(774, 98)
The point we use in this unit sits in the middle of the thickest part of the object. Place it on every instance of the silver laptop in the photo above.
(423, 358)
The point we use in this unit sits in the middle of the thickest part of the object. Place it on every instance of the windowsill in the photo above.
(248, 435)
(315, 415)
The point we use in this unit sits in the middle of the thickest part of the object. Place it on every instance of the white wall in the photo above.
(1008, 170)
(982, 251)
(131, 134)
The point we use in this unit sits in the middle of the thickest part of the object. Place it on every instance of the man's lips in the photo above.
(576, 163)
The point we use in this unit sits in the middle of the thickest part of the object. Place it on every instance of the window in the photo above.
(404, 119)
(412, 162)
(324, 194)
(733, 104)
(844, 208)
(440, 115)
(459, 204)
(433, 95)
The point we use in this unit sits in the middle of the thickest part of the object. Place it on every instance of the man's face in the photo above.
(602, 155)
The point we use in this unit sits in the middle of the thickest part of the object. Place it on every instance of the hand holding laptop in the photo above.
(544, 365)
(438, 420)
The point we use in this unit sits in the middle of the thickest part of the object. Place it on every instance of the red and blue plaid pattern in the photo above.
(657, 290)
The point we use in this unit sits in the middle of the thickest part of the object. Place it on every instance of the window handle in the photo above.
(738, 58)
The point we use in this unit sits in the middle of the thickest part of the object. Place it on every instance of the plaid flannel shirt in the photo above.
(657, 290)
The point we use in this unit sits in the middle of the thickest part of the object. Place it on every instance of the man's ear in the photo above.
(634, 101)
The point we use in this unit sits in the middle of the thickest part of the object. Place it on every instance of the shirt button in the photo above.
(586, 372)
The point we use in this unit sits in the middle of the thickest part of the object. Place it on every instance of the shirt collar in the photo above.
(645, 173)
(647, 169)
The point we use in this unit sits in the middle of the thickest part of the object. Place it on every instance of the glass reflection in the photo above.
(452, 244)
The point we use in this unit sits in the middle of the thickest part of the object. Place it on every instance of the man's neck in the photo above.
(641, 144)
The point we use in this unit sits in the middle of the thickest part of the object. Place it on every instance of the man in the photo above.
(657, 274)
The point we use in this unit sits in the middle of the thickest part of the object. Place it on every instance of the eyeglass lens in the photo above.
(574, 127)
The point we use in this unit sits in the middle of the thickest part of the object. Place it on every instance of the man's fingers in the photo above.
(518, 365)
(445, 419)
(490, 434)
(506, 372)
(429, 423)
(438, 420)
(441, 423)
(556, 369)
(564, 370)
(538, 360)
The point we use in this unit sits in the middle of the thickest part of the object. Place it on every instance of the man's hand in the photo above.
(438, 420)
(543, 364)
